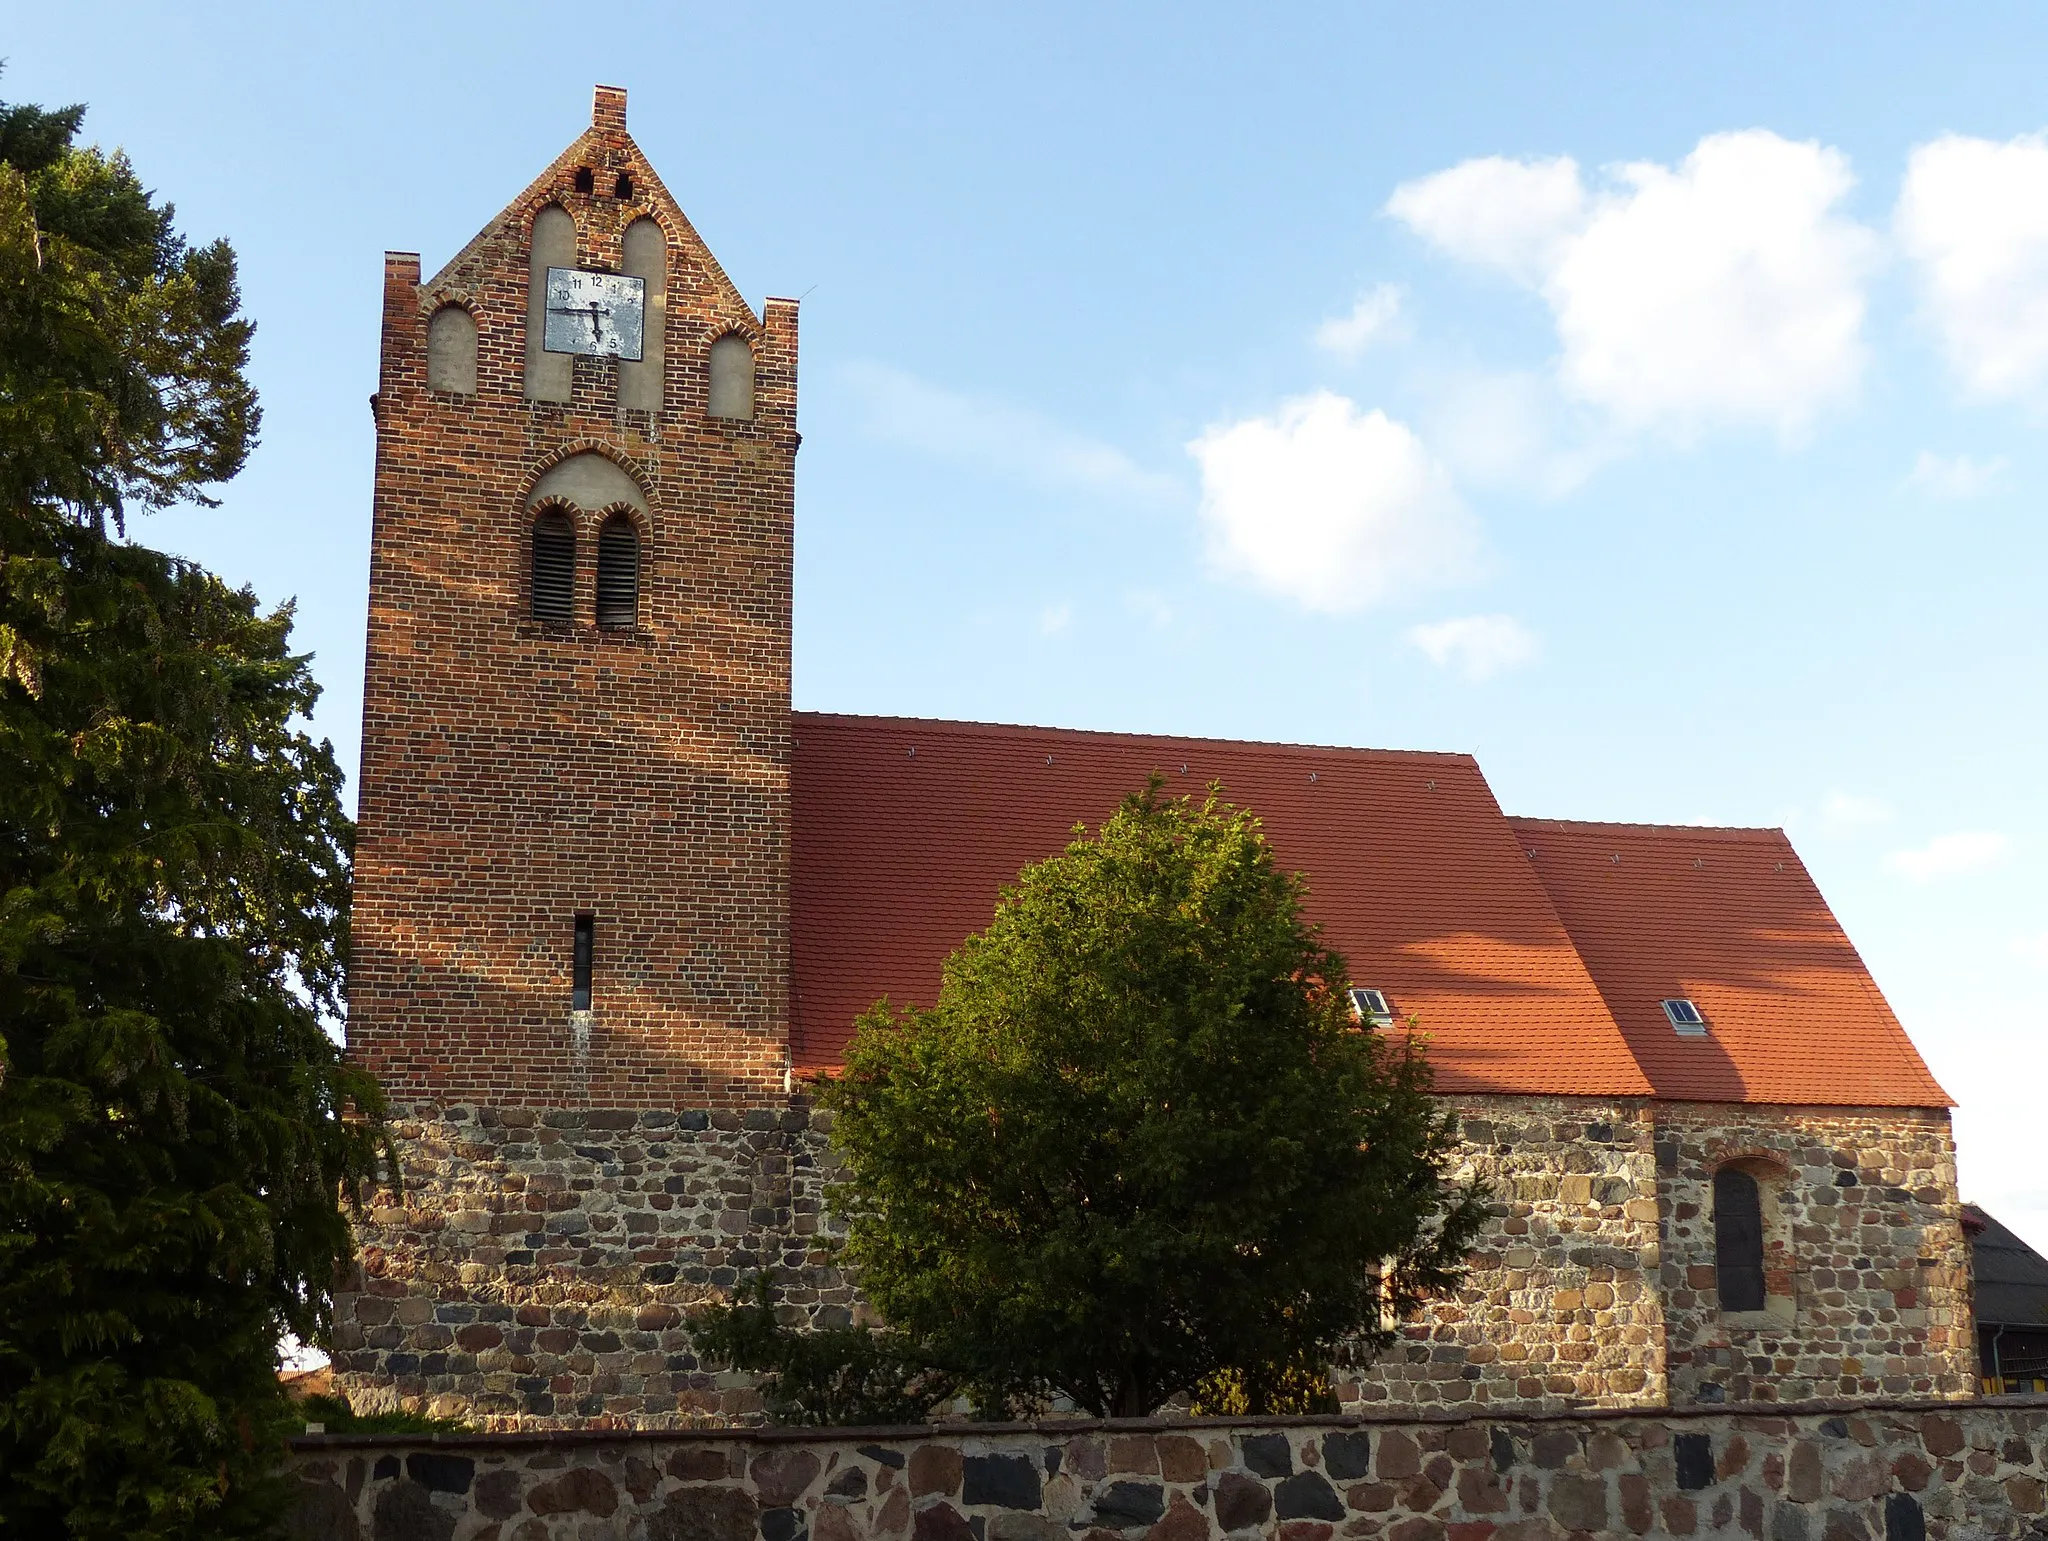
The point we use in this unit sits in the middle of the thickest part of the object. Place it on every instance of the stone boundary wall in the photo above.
(1870, 1471)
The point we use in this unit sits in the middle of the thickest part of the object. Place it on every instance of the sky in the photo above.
(1647, 401)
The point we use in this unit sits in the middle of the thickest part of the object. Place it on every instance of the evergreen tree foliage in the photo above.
(1140, 1149)
(173, 894)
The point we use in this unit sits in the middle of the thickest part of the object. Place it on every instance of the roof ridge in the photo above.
(1737, 831)
(993, 729)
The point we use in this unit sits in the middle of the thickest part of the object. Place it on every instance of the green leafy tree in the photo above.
(175, 1126)
(826, 1376)
(1140, 1145)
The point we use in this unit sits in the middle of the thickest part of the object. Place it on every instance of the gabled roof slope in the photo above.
(905, 830)
(2012, 1278)
(1730, 919)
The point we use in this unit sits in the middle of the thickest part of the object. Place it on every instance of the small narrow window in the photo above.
(732, 377)
(1738, 1240)
(585, 179)
(554, 568)
(618, 573)
(622, 186)
(579, 968)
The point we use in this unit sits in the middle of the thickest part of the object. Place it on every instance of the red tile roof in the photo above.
(1412, 871)
(1730, 919)
(905, 830)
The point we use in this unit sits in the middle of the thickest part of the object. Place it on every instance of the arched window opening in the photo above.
(618, 573)
(732, 377)
(554, 568)
(1738, 1240)
(451, 351)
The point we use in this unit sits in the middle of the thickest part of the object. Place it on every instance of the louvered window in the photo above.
(1738, 1241)
(618, 573)
(554, 568)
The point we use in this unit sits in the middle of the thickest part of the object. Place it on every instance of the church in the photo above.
(616, 903)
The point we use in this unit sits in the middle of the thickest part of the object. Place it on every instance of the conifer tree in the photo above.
(176, 1128)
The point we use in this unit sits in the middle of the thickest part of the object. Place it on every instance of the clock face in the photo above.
(600, 313)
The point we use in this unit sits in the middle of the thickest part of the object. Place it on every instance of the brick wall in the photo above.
(516, 774)
(1874, 1472)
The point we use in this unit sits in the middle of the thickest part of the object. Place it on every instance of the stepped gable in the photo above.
(490, 272)
(1730, 919)
(905, 830)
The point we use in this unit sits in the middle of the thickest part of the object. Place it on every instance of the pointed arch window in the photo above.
(554, 568)
(618, 573)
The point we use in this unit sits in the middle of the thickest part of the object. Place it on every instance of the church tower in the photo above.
(571, 922)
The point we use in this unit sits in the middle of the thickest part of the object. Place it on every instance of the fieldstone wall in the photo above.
(536, 1269)
(1868, 1271)
(1560, 1305)
(1895, 1471)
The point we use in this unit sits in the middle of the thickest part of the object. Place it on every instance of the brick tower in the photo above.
(572, 879)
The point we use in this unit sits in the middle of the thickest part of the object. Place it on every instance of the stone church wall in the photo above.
(1868, 1271)
(537, 1268)
(1560, 1303)
(1876, 1472)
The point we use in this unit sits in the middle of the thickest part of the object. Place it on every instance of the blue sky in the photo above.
(1650, 403)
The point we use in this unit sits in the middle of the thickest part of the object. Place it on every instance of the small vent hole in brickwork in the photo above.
(554, 569)
(618, 573)
(585, 182)
(623, 187)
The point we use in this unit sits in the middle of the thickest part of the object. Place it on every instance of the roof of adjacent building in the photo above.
(2012, 1278)
(1520, 960)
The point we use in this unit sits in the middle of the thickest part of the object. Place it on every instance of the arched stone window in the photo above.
(645, 255)
(1738, 1240)
(451, 351)
(618, 572)
(732, 377)
(554, 568)
(549, 376)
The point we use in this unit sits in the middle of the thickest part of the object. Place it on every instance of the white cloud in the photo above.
(1331, 506)
(1973, 214)
(1519, 216)
(1375, 318)
(1054, 619)
(1477, 646)
(997, 436)
(1955, 477)
(1727, 289)
(1846, 810)
(2034, 947)
(1966, 851)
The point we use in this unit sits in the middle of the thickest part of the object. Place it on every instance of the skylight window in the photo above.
(1370, 1006)
(1685, 1018)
